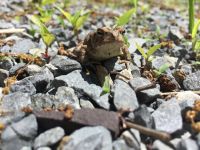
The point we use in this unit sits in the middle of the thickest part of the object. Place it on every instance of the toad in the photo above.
(100, 45)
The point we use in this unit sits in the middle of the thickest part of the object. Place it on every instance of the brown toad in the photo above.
(103, 44)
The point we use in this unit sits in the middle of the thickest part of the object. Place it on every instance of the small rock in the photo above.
(16, 67)
(120, 144)
(23, 46)
(27, 127)
(157, 62)
(174, 34)
(10, 140)
(186, 99)
(76, 81)
(41, 79)
(135, 71)
(5, 25)
(49, 137)
(147, 95)
(168, 117)
(3, 75)
(187, 144)
(103, 101)
(86, 104)
(66, 96)
(12, 117)
(159, 145)
(15, 101)
(6, 63)
(192, 81)
(44, 148)
(124, 97)
(24, 86)
(113, 64)
(33, 69)
(187, 69)
(143, 117)
(137, 59)
(5, 49)
(26, 148)
(92, 138)
(53, 69)
(132, 138)
(65, 64)
(40, 101)
(8, 134)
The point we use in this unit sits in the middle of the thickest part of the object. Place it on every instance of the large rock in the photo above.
(27, 127)
(76, 81)
(15, 101)
(168, 117)
(124, 96)
(91, 138)
(41, 80)
(24, 86)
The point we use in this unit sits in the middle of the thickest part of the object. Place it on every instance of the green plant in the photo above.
(106, 85)
(125, 17)
(47, 36)
(150, 51)
(45, 15)
(134, 3)
(196, 40)
(191, 15)
(47, 2)
(162, 69)
(77, 20)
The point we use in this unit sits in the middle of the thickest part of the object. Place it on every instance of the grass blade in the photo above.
(141, 50)
(124, 19)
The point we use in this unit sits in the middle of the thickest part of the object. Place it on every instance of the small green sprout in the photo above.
(150, 52)
(45, 15)
(47, 37)
(77, 20)
(106, 85)
(125, 17)
(162, 69)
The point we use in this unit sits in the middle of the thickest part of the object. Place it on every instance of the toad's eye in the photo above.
(122, 31)
(100, 32)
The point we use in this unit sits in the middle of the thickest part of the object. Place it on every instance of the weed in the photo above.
(47, 37)
(77, 20)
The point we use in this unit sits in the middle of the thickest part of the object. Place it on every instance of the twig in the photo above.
(119, 74)
(172, 93)
(163, 136)
(12, 30)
